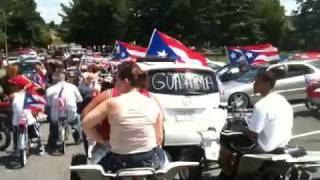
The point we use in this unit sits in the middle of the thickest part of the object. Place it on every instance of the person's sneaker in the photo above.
(41, 151)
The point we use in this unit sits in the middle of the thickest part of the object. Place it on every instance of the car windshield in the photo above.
(250, 75)
(223, 70)
(315, 64)
(183, 82)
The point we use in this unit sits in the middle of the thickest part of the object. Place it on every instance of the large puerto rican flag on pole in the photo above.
(161, 45)
(123, 50)
(253, 54)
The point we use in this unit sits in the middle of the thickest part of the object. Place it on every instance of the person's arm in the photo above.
(95, 102)
(159, 128)
(77, 94)
(159, 123)
(93, 118)
(257, 122)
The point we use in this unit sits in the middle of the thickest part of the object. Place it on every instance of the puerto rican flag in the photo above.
(123, 51)
(252, 54)
(161, 45)
(34, 102)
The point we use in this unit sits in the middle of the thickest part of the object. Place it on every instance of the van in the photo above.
(189, 95)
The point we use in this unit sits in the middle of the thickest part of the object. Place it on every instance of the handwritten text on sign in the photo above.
(183, 81)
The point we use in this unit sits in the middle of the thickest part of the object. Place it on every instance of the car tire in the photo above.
(5, 138)
(240, 97)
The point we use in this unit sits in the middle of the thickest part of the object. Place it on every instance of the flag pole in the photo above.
(227, 54)
(150, 41)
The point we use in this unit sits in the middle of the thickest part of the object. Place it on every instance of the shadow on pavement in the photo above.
(307, 113)
(10, 162)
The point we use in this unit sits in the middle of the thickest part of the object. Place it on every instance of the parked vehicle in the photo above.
(292, 163)
(313, 93)
(190, 96)
(290, 81)
(5, 123)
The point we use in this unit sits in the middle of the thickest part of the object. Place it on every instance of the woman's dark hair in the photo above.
(267, 77)
(131, 71)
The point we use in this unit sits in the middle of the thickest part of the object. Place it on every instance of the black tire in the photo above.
(275, 171)
(5, 138)
(77, 159)
(194, 155)
(241, 96)
(311, 106)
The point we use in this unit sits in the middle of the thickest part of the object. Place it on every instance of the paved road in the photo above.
(50, 167)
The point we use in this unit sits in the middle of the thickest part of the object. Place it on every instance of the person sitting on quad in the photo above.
(18, 103)
(135, 122)
(272, 117)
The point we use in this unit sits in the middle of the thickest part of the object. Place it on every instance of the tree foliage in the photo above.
(25, 27)
(307, 24)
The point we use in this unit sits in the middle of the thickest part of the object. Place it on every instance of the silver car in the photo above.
(290, 82)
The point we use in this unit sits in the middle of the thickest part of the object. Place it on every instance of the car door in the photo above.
(294, 81)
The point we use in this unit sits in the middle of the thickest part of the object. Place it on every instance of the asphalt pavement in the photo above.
(52, 167)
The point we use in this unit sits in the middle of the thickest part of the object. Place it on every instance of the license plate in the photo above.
(184, 115)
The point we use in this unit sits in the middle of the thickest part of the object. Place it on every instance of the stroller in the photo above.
(313, 92)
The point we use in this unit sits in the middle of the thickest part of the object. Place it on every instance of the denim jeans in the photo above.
(54, 130)
(114, 162)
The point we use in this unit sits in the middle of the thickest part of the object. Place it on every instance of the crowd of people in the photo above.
(126, 117)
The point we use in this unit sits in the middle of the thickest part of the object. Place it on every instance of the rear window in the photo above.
(182, 82)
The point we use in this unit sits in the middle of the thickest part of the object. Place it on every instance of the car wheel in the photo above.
(241, 100)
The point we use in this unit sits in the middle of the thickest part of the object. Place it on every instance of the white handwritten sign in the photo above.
(182, 81)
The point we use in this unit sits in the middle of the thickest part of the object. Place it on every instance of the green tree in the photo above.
(272, 19)
(307, 24)
(24, 24)
(94, 22)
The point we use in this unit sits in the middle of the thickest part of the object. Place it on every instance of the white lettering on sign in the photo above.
(182, 81)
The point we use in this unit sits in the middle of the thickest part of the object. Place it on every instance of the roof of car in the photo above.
(153, 63)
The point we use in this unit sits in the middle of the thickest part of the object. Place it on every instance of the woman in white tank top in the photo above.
(135, 123)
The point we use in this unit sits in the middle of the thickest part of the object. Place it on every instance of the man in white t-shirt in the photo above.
(271, 122)
(272, 118)
(62, 99)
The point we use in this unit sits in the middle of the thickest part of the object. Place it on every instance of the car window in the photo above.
(182, 82)
(315, 64)
(278, 71)
(298, 70)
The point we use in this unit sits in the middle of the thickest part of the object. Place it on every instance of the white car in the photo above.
(190, 97)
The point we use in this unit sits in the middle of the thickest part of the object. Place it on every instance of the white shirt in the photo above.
(18, 111)
(70, 95)
(272, 120)
(132, 124)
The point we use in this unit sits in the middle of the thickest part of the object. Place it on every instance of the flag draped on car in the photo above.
(161, 45)
(123, 51)
(252, 54)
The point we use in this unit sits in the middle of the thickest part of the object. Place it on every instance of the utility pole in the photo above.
(5, 34)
